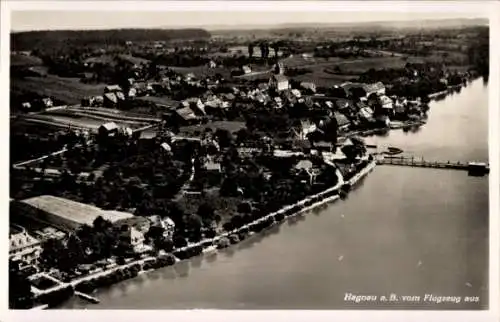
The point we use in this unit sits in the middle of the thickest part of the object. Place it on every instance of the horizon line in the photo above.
(252, 26)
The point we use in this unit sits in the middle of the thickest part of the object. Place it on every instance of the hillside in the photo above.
(37, 39)
(349, 27)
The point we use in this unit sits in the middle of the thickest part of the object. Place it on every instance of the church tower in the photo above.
(279, 68)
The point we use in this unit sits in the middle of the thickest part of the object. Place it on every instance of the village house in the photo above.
(132, 92)
(296, 93)
(195, 104)
(212, 64)
(246, 70)
(345, 105)
(140, 88)
(377, 88)
(22, 246)
(308, 86)
(166, 148)
(110, 100)
(400, 105)
(342, 121)
(108, 129)
(324, 146)
(47, 102)
(351, 90)
(112, 89)
(97, 100)
(277, 102)
(386, 102)
(339, 91)
(305, 171)
(279, 68)
(166, 223)
(132, 237)
(278, 82)
(263, 87)
(306, 127)
(190, 77)
(186, 116)
(383, 120)
(365, 112)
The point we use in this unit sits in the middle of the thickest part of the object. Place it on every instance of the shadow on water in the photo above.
(210, 258)
(415, 129)
(274, 230)
(168, 273)
(229, 252)
(182, 268)
(155, 275)
(196, 261)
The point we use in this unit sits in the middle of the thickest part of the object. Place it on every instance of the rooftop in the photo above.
(280, 78)
(72, 210)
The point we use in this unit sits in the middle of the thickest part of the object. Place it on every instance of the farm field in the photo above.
(108, 59)
(24, 60)
(322, 71)
(108, 114)
(231, 126)
(69, 90)
(84, 119)
(202, 71)
(22, 126)
(160, 100)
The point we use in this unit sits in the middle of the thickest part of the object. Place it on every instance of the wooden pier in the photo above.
(87, 297)
(477, 168)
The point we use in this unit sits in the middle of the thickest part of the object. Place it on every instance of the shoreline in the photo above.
(210, 245)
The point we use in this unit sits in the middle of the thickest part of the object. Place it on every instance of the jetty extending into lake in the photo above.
(478, 168)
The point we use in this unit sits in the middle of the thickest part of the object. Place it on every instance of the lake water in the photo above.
(407, 231)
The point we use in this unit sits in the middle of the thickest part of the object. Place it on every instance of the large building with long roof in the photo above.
(68, 215)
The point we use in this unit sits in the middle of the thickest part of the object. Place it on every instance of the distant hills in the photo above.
(54, 38)
(403, 24)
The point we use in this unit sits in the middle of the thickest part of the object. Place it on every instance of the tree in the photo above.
(224, 137)
(262, 47)
(155, 233)
(179, 241)
(244, 208)
(275, 47)
(20, 294)
(205, 210)
(250, 50)
(51, 251)
(194, 223)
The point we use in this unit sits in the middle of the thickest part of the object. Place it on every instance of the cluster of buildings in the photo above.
(50, 217)
(44, 103)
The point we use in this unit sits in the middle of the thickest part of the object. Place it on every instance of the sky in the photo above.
(103, 19)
